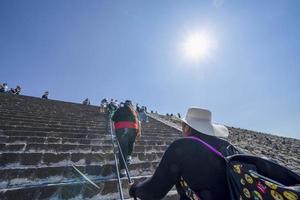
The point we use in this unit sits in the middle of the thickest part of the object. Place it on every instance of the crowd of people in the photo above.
(17, 91)
(4, 89)
(112, 105)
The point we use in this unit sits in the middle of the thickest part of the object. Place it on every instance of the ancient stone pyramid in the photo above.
(41, 139)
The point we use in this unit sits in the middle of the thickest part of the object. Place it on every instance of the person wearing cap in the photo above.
(3, 88)
(186, 161)
(127, 128)
(86, 102)
(16, 91)
(45, 95)
(103, 105)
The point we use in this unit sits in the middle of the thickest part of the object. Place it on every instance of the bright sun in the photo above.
(198, 46)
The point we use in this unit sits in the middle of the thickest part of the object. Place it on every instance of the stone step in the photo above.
(99, 135)
(16, 160)
(52, 123)
(54, 126)
(82, 121)
(74, 190)
(19, 177)
(28, 128)
(71, 148)
(52, 113)
(23, 135)
(45, 116)
(63, 138)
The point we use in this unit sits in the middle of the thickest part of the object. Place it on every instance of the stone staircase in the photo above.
(41, 139)
(285, 151)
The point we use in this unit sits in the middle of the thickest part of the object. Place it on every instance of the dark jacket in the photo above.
(204, 172)
(126, 114)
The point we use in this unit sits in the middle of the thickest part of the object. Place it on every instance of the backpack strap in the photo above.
(208, 146)
(183, 185)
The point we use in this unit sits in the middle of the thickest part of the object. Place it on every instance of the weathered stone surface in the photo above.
(40, 140)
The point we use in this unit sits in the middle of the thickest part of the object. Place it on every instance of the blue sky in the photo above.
(131, 50)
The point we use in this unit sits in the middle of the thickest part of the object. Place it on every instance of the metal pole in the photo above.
(125, 163)
(116, 163)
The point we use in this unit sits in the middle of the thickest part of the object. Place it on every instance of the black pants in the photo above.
(126, 138)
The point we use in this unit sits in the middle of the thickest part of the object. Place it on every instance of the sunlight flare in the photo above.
(198, 46)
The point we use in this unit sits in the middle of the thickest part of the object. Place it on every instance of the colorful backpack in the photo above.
(253, 178)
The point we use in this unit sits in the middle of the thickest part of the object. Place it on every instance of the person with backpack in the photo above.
(3, 88)
(186, 163)
(45, 95)
(15, 91)
(86, 102)
(127, 128)
(204, 166)
(103, 105)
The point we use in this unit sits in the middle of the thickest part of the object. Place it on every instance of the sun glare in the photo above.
(197, 46)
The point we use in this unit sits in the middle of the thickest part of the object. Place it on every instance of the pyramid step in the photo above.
(45, 116)
(62, 121)
(35, 128)
(18, 134)
(9, 160)
(17, 177)
(15, 117)
(70, 148)
(75, 189)
(93, 139)
(50, 125)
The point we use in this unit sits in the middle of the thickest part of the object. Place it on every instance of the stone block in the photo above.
(17, 194)
(49, 192)
(34, 147)
(3, 139)
(2, 147)
(107, 169)
(93, 170)
(78, 157)
(53, 140)
(14, 147)
(31, 158)
(70, 191)
(45, 172)
(52, 158)
(39, 139)
(68, 147)
(9, 158)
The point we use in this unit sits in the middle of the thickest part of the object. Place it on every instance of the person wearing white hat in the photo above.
(187, 161)
(198, 123)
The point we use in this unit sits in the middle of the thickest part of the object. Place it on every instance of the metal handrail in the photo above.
(125, 163)
(116, 161)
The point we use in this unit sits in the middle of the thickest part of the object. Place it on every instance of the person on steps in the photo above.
(127, 128)
(187, 163)
(112, 107)
(86, 102)
(3, 88)
(143, 115)
(45, 95)
(103, 105)
(15, 91)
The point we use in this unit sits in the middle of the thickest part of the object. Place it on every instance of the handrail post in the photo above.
(116, 163)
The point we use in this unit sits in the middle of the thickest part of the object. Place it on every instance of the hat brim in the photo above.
(207, 128)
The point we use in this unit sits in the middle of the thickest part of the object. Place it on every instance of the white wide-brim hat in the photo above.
(200, 120)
